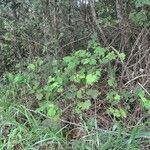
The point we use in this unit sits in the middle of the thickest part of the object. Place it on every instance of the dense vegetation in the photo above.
(74, 74)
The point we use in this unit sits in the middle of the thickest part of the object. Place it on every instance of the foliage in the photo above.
(144, 101)
(81, 106)
(139, 18)
(118, 113)
(140, 3)
(74, 79)
(65, 77)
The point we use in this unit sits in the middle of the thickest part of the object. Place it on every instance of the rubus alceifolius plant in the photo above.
(24, 82)
(75, 77)
(145, 102)
(114, 96)
(83, 70)
(117, 112)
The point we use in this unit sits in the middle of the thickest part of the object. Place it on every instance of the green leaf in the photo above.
(67, 59)
(92, 61)
(79, 94)
(90, 79)
(53, 111)
(98, 73)
(123, 113)
(40, 62)
(9, 77)
(85, 61)
(99, 51)
(18, 66)
(113, 97)
(39, 96)
(140, 18)
(111, 56)
(111, 82)
(20, 79)
(141, 3)
(81, 106)
(31, 67)
(51, 79)
(42, 108)
(122, 56)
(82, 53)
(117, 97)
(145, 101)
(118, 113)
(93, 93)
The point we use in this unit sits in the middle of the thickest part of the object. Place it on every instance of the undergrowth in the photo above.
(72, 103)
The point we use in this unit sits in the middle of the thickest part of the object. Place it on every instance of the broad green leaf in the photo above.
(85, 61)
(141, 3)
(117, 97)
(9, 77)
(31, 67)
(123, 113)
(42, 108)
(67, 59)
(118, 113)
(81, 53)
(122, 56)
(53, 111)
(98, 73)
(40, 62)
(39, 96)
(99, 51)
(92, 61)
(20, 79)
(81, 106)
(111, 56)
(79, 94)
(51, 79)
(93, 93)
(140, 18)
(145, 101)
(90, 79)
(111, 82)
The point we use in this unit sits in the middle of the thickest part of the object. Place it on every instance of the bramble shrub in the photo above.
(144, 100)
(77, 78)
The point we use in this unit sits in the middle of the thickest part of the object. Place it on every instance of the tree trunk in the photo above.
(123, 17)
(100, 30)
